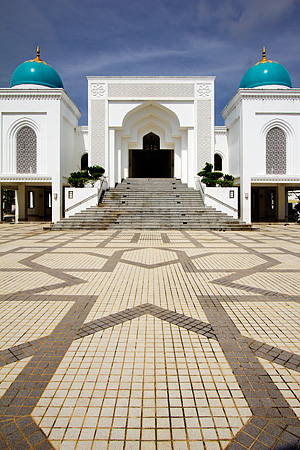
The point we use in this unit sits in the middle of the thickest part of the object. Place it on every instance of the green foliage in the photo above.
(90, 175)
(213, 179)
(206, 170)
(78, 179)
(228, 181)
(95, 172)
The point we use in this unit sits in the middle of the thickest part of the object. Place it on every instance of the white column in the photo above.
(177, 159)
(16, 206)
(125, 159)
(112, 158)
(119, 157)
(56, 200)
(191, 159)
(245, 199)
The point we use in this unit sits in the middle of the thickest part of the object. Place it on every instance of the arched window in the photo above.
(151, 142)
(276, 151)
(84, 162)
(218, 162)
(26, 150)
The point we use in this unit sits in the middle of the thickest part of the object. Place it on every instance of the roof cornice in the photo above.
(40, 94)
(258, 94)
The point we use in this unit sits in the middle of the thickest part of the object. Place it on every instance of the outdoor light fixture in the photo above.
(231, 194)
(55, 196)
(246, 195)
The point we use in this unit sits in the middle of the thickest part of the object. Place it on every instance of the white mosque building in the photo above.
(41, 142)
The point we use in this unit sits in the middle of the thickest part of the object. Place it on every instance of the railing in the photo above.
(225, 207)
(221, 203)
(201, 190)
(82, 201)
(97, 194)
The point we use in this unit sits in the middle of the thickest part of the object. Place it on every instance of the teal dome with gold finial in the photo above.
(266, 73)
(36, 72)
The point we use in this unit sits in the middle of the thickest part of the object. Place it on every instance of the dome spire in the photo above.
(38, 59)
(264, 59)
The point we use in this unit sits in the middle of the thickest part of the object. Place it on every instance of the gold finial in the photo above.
(38, 59)
(264, 59)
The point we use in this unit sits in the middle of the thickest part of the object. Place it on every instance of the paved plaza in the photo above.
(149, 340)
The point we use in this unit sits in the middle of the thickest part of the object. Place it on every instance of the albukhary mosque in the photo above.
(259, 144)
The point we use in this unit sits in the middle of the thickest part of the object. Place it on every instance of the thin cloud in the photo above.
(238, 18)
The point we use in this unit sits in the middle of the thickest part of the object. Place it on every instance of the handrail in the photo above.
(221, 203)
(201, 190)
(81, 202)
(97, 194)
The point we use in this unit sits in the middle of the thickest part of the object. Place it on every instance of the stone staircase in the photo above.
(151, 204)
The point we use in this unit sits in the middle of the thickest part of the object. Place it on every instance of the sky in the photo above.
(80, 38)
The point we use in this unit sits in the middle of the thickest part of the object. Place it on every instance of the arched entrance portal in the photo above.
(151, 161)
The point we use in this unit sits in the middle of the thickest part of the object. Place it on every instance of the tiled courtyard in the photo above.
(150, 340)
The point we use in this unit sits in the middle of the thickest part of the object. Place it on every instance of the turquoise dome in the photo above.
(266, 73)
(38, 72)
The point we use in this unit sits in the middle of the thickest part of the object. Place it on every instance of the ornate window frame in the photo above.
(290, 142)
(9, 162)
(26, 150)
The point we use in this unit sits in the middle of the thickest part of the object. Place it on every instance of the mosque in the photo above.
(130, 117)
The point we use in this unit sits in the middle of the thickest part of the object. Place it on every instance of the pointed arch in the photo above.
(276, 151)
(26, 150)
(278, 140)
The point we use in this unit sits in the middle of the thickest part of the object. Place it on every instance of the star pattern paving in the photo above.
(149, 340)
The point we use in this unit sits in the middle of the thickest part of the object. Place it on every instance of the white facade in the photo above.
(249, 116)
(53, 117)
(179, 110)
(174, 113)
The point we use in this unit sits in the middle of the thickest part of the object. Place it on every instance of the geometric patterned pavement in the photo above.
(163, 340)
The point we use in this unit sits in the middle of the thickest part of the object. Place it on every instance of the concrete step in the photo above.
(151, 204)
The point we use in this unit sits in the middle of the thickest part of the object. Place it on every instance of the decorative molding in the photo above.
(263, 94)
(82, 130)
(151, 90)
(23, 178)
(220, 130)
(270, 97)
(204, 90)
(20, 96)
(276, 179)
(98, 90)
(71, 105)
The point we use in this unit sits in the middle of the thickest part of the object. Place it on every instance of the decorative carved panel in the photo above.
(26, 150)
(147, 90)
(276, 151)
(98, 90)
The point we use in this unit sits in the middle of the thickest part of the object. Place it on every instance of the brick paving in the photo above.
(149, 340)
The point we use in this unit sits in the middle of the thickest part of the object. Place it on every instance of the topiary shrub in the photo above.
(90, 175)
(78, 179)
(95, 172)
(213, 179)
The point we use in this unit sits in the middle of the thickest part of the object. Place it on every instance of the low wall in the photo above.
(223, 199)
(79, 199)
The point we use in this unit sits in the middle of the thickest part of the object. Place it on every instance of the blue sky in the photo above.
(150, 37)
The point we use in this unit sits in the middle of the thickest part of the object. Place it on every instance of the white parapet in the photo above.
(78, 199)
(223, 199)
